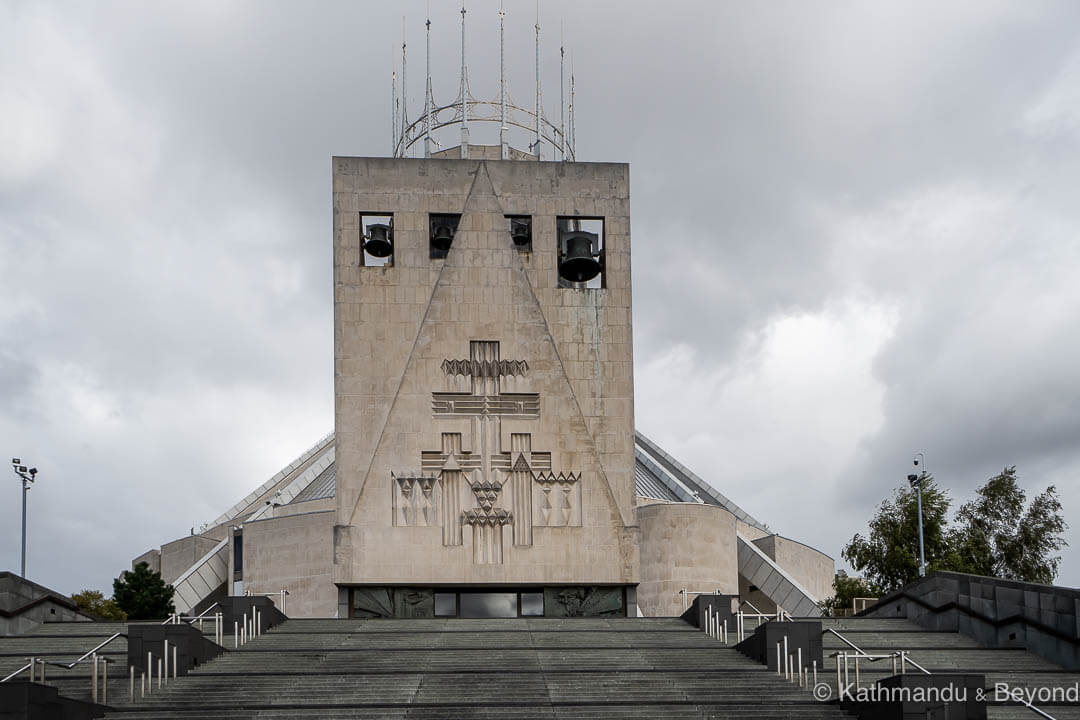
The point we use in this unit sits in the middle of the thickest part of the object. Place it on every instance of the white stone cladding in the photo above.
(484, 415)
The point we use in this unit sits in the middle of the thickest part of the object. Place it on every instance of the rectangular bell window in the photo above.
(376, 240)
(581, 245)
(521, 232)
(442, 229)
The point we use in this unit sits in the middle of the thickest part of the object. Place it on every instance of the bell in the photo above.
(520, 231)
(579, 263)
(441, 237)
(379, 241)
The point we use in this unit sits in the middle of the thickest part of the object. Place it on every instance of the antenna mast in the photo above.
(562, 98)
(427, 96)
(464, 86)
(573, 132)
(393, 113)
(536, 145)
(404, 93)
(503, 129)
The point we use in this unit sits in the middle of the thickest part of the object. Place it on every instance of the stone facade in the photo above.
(484, 414)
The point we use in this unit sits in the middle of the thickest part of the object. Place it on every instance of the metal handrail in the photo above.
(1036, 710)
(747, 602)
(845, 641)
(904, 658)
(66, 666)
(91, 652)
(175, 618)
(25, 667)
(687, 593)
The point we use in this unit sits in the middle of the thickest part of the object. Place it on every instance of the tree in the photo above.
(996, 537)
(847, 588)
(889, 557)
(94, 603)
(142, 594)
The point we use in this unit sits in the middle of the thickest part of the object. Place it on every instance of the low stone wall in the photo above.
(1042, 619)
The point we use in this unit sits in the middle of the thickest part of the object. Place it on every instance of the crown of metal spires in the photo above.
(465, 108)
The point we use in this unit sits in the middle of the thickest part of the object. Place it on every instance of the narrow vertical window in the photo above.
(376, 240)
(581, 252)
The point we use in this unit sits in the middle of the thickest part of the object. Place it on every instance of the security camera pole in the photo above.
(27, 476)
(916, 482)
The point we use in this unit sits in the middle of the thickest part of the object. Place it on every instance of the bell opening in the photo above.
(581, 252)
(376, 239)
(521, 232)
(442, 228)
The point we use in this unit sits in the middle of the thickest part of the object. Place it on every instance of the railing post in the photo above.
(174, 661)
(779, 661)
(798, 664)
(847, 674)
(142, 683)
(725, 631)
(150, 671)
(839, 683)
(41, 672)
(93, 679)
(159, 673)
(787, 660)
(104, 681)
(131, 682)
(815, 673)
(236, 634)
(165, 654)
(858, 684)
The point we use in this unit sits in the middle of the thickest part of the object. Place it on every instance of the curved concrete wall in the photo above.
(811, 568)
(684, 545)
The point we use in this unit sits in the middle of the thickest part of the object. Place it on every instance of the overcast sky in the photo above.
(855, 236)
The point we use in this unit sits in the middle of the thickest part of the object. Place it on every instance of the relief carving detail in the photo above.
(460, 486)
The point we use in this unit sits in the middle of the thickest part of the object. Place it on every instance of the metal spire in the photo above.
(404, 92)
(573, 132)
(562, 98)
(393, 113)
(503, 129)
(536, 144)
(427, 96)
(464, 92)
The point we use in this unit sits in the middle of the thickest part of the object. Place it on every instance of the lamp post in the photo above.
(915, 480)
(27, 476)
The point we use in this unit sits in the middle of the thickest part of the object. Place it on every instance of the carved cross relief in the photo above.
(513, 487)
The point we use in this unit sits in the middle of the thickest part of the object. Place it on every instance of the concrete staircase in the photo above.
(949, 652)
(63, 643)
(517, 668)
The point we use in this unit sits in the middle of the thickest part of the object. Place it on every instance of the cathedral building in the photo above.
(484, 460)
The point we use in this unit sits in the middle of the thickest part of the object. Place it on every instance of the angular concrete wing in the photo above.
(760, 570)
(202, 578)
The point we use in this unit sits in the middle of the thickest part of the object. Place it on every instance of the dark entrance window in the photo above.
(532, 604)
(488, 605)
(445, 604)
